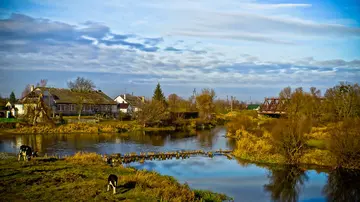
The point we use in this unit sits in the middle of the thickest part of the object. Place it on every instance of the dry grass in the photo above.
(83, 177)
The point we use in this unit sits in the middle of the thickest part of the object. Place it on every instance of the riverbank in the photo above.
(276, 141)
(83, 177)
(107, 126)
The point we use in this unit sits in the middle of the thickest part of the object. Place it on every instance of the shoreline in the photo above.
(86, 173)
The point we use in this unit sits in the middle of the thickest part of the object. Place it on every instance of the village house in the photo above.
(128, 103)
(67, 102)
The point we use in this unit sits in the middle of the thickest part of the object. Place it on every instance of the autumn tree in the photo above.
(342, 101)
(158, 94)
(79, 106)
(205, 103)
(27, 89)
(173, 102)
(289, 138)
(12, 98)
(81, 84)
(152, 113)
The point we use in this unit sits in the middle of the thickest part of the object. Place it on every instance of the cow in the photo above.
(112, 181)
(26, 152)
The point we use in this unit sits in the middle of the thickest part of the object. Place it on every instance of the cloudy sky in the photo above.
(244, 48)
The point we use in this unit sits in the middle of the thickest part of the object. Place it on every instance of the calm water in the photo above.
(243, 181)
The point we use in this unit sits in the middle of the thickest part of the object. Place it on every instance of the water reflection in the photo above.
(343, 185)
(286, 183)
(138, 141)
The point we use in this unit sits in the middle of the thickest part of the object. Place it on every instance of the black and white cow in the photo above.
(112, 181)
(26, 153)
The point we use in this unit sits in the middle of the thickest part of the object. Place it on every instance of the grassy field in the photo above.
(314, 143)
(83, 177)
(8, 120)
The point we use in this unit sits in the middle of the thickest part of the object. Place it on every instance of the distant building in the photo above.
(253, 107)
(66, 101)
(128, 103)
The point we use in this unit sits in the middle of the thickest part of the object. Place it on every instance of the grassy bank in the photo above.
(279, 141)
(83, 177)
(104, 126)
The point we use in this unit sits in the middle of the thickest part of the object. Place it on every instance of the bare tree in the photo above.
(43, 83)
(27, 89)
(81, 84)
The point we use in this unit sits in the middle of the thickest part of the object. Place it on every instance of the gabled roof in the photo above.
(133, 100)
(67, 96)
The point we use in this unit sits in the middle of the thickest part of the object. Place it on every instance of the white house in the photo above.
(129, 103)
(20, 108)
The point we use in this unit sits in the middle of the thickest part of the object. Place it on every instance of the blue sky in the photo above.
(245, 48)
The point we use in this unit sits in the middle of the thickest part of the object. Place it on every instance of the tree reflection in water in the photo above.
(286, 183)
(343, 185)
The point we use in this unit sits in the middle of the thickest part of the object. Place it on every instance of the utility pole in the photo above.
(232, 103)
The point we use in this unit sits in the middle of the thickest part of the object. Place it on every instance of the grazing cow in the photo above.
(112, 181)
(26, 152)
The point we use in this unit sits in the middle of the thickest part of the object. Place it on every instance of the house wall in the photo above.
(20, 108)
(71, 109)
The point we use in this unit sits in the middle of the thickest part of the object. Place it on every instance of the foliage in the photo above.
(152, 113)
(158, 94)
(79, 106)
(207, 196)
(342, 101)
(81, 84)
(12, 98)
(255, 148)
(314, 143)
(83, 178)
(345, 143)
(318, 157)
(205, 103)
(177, 104)
(240, 122)
(288, 137)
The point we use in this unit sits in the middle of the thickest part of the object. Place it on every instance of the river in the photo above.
(241, 180)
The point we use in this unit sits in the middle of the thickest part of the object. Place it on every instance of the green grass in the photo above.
(314, 143)
(76, 117)
(83, 177)
(9, 120)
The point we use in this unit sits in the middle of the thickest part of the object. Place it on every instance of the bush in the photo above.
(318, 157)
(82, 157)
(241, 122)
(288, 137)
(345, 143)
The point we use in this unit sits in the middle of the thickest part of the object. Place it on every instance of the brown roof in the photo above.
(67, 96)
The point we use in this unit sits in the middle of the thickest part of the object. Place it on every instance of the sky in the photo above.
(249, 49)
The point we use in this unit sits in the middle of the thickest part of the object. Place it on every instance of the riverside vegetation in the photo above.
(321, 131)
(83, 177)
(158, 113)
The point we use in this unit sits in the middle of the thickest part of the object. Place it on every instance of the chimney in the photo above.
(31, 88)
(143, 98)
(124, 96)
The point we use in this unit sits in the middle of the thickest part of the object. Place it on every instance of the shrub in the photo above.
(288, 138)
(242, 122)
(82, 157)
(318, 157)
(345, 143)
